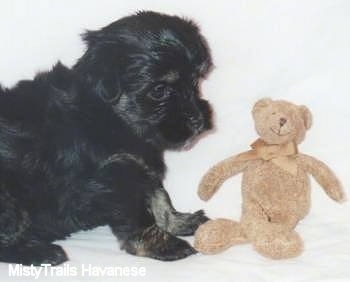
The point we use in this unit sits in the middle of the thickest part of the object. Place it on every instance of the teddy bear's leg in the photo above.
(273, 240)
(217, 235)
(280, 245)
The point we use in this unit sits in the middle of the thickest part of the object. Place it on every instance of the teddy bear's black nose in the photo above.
(283, 121)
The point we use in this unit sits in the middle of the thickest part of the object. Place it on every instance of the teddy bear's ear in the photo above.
(262, 103)
(306, 115)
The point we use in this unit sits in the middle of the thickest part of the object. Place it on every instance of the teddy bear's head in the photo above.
(279, 122)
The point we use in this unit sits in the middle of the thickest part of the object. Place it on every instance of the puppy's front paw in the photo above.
(185, 224)
(158, 244)
(172, 248)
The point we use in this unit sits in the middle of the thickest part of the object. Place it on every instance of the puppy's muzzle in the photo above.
(199, 117)
(197, 124)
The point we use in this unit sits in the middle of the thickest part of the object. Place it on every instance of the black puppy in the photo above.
(83, 147)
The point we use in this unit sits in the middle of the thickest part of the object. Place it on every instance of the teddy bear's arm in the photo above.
(324, 176)
(217, 175)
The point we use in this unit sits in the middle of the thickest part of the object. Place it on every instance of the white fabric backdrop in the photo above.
(295, 50)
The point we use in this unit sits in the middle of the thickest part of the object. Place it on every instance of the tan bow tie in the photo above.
(280, 155)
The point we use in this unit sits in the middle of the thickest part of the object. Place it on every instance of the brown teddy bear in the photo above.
(275, 185)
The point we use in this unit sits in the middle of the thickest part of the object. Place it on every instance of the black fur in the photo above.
(83, 147)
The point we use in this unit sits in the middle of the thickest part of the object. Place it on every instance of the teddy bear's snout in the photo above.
(283, 121)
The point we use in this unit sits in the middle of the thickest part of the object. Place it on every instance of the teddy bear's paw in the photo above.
(280, 246)
(206, 189)
(218, 235)
(338, 195)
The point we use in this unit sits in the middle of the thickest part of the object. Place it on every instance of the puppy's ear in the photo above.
(306, 115)
(100, 65)
(106, 82)
(108, 89)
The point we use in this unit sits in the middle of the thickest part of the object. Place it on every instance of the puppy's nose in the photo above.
(282, 121)
(197, 124)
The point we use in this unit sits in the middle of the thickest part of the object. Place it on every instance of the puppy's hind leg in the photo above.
(172, 221)
(14, 221)
(33, 254)
(15, 231)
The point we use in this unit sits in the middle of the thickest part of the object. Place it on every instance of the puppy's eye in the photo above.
(161, 92)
